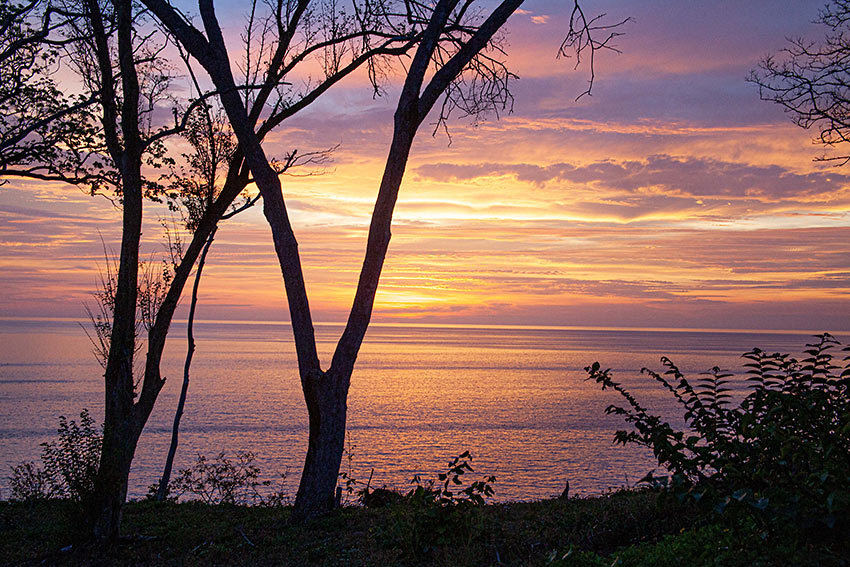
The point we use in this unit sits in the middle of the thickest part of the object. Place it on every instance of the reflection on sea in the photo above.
(517, 398)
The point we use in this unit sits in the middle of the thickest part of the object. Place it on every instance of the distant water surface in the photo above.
(516, 397)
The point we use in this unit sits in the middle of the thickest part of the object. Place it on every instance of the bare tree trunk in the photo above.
(314, 495)
(162, 492)
(105, 27)
(327, 414)
(119, 444)
(325, 393)
(326, 406)
(120, 431)
(326, 396)
(125, 420)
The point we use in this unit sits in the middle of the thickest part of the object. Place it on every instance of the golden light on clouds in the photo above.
(672, 197)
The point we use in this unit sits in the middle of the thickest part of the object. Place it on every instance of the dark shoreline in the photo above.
(621, 528)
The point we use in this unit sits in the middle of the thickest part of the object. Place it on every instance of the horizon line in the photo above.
(487, 326)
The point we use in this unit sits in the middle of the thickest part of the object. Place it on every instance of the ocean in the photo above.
(515, 397)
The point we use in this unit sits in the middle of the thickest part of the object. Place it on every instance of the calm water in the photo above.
(516, 398)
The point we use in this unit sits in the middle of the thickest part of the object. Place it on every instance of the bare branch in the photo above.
(811, 81)
(582, 37)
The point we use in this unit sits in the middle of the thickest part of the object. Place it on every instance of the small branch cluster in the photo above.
(583, 39)
(811, 80)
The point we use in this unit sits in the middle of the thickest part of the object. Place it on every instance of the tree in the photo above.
(112, 46)
(270, 103)
(811, 80)
(36, 118)
(212, 148)
(455, 58)
(342, 44)
(198, 184)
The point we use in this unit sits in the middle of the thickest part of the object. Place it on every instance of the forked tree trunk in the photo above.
(325, 393)
(120, 430)
(326, 397)
(327, 424)
(126, 410)
(124, 420)
(120, 433)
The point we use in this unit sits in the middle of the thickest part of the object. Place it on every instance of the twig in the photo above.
(242, 533)
(199, 546)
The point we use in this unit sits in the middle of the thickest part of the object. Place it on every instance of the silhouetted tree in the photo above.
(811, 80)
(112, 46)
(197, 184)
(305, 37)
(124, 69)
(43, 131)
(213, 148)
(102, 142)
(456, 59)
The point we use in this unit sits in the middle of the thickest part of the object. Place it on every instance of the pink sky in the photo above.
(673, 197)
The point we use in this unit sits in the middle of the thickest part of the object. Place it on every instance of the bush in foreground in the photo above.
(781, 455)
(68, 464)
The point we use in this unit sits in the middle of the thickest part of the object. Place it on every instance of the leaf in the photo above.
(742, 494)
(829, 520)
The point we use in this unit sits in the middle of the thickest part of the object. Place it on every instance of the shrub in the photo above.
(29, 482)
(782, 453)
(223, 480)
(474, 494)
(68, 465)
(440, 513)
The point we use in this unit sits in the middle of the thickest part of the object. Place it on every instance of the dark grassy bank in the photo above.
(625, 528)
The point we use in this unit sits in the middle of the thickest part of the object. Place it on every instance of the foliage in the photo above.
(196, 183)
(42, 130)
(610, 530)
(782, 454)
(68, 465)
(737, 544)
(474, 494)
(223, 480)
(347, 479)
(152, 286)
(29, 482)
(438, 513)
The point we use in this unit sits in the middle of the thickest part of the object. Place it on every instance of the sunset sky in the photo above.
(672, 197)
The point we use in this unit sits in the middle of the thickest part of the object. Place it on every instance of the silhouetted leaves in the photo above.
(784, 450)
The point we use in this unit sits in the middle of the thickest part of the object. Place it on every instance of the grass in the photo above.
(622, 528)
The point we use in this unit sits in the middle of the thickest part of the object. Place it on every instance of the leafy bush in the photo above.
(68, 465)
(782, 453)
(439, 513)
(474, 494)
(227, 481)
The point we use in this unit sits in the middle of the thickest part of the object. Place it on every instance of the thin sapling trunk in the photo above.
(162, 491)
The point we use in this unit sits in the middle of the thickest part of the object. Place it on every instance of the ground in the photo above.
(623, 528)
